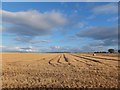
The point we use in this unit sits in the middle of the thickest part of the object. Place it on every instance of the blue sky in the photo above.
(49, 27)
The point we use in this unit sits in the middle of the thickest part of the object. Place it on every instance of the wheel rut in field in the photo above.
(68, 61)
(87, 58)
(80, 61)
(93, 59)
(101, 58)
(62, 60)
(73, 64)
(58, 61)
(50, 61)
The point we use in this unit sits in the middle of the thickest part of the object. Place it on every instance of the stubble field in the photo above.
(59, 70)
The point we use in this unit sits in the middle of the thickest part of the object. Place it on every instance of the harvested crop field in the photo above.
(59, 70)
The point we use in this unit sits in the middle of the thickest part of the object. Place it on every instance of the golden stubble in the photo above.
(59, 70)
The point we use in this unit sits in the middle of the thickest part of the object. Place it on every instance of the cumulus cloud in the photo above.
(108, 35)
(55, 47)
(29, 40)
(23, 38)
(106, 9)
(100, 46)
(65, 49)
(32, 23)
(112, 19)
(99, 33)
(28, 49)
(18, 49)
(80, 24)
(9, 48)
(39, 41)
(91, 47)
(1, 28)
(94, 48)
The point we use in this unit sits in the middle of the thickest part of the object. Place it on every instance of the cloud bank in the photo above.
(32, 23)
(110, 8)
(18, 49)
(107, 35)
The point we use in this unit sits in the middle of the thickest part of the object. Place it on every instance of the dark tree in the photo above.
(111, 50)
(119, 51)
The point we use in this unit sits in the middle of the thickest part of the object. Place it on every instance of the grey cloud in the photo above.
(18, 49)
(32, 23)
(55, 47)
(27, 48)
(99, 33)
(28, 39)
(110, 8)
(99, 45)
(111, 42)
(9, 48)
(107, 42)
(112, 19)
(39, 41)
(65, 49)
(108, 35)
(23, 39)
(89, 48)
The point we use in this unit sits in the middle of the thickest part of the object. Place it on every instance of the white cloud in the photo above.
(28, 49)
(1, 28)
(81, 24)
(55, 47)
(26, 39)
(65, 49)
(89, 48)
(32, 23)
(40, 41)
(112, 19)
(110, 8)
(9, 48)
(106, 9)
(108, 35)
(18, 48)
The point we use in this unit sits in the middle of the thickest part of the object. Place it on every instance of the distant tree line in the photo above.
(100, 52)
(109, 51)
(57, 52)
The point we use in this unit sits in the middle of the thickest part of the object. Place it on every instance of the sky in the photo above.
(60, 0)
(59, 26)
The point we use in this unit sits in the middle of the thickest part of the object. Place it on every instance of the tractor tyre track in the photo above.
(101, 58)
(50, 61)
(93, 60)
